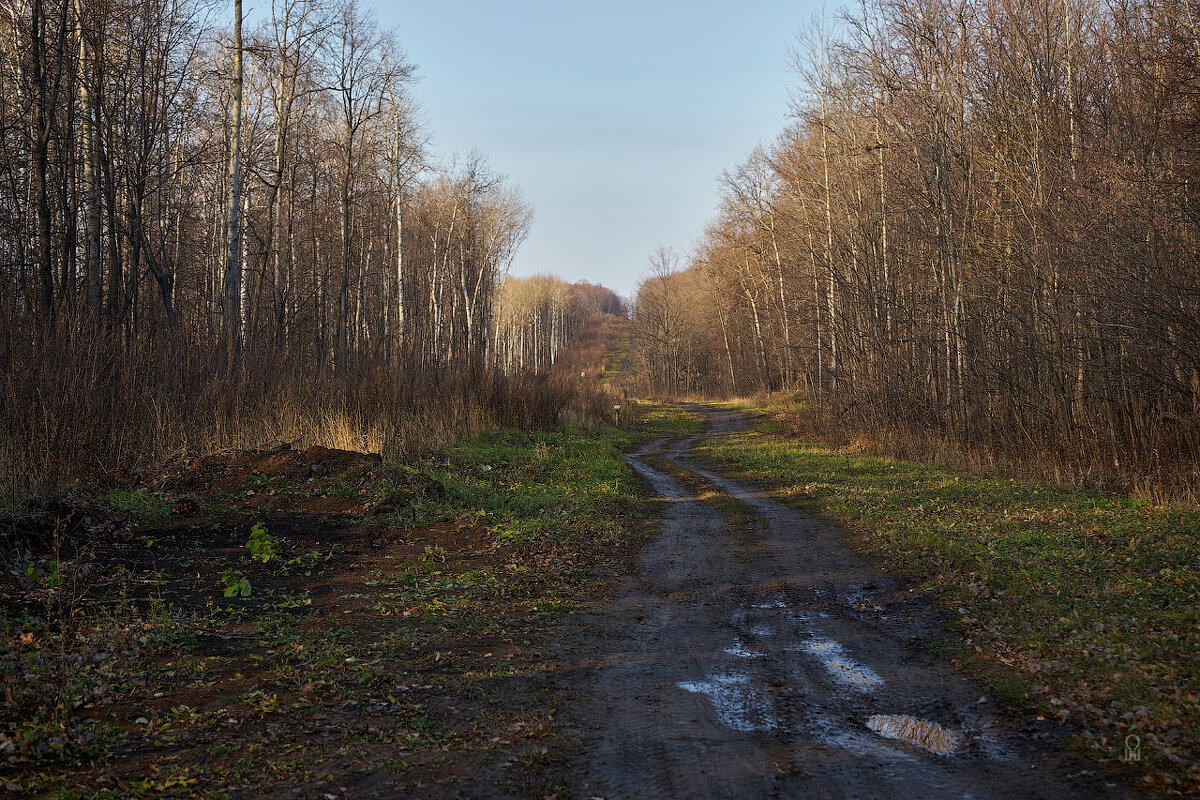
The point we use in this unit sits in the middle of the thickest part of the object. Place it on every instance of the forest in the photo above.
(979, 226)
(885, 486)
(213, 237)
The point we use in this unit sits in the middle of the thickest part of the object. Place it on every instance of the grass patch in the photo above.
(666, 420)
(740, 517)
(396, 631)
(528, 487)
(1085, 607)
(617, 353)
(136, 504)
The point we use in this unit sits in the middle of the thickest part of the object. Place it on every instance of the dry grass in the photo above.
(85, 405)
(853, 434)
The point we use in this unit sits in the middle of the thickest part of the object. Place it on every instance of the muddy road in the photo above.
(776, 662)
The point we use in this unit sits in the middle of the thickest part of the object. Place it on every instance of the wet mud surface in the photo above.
(779, 663)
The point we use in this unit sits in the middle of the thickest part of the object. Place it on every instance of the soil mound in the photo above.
(228, 471)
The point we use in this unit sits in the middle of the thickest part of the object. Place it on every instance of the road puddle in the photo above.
(736, 702)
(741, 651)
(919, 732)
(841, 667)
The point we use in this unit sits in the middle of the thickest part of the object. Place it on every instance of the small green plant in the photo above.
(434, 554)
(48, 579)
(309, 561)
(262, 545)
(422, 723)
(294, 600)
(317, 556)
(260, 700)
(236, 584)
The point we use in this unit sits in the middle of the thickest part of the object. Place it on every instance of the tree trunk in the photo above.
(232, 305)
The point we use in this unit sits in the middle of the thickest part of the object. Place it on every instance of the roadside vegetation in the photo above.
(1081, 606)
(318, 620)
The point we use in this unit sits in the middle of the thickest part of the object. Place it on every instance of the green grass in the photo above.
(528, 486)
(619, 350)
(1086, 607)
(658, 419)
(137, 504)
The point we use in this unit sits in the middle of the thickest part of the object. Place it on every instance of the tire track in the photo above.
(735, 669)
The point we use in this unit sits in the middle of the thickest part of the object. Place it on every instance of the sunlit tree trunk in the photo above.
(233, 277)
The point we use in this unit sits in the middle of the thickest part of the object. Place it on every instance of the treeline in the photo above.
(543, 314)
(982, 221)
(202, 227)
(167, 179)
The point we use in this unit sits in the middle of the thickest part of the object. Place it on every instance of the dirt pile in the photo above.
(226, 471)
(319, 480)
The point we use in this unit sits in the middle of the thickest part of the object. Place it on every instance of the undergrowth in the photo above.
(88, 410)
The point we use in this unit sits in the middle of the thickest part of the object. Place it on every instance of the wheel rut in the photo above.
(787, 666)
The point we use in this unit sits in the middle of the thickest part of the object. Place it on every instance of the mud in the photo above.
(752, 666)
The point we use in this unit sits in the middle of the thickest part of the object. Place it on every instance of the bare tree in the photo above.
(233, 254)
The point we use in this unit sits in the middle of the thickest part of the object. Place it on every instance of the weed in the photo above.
(262, 545)
(44, 578)
(260, 481)
(309, 562)
(236, 583)
(296, 600)
(422, 723)
(261, 701)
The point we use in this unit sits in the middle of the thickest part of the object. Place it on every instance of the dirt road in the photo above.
(771, 663)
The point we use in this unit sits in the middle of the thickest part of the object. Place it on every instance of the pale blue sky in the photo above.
(614, 118)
